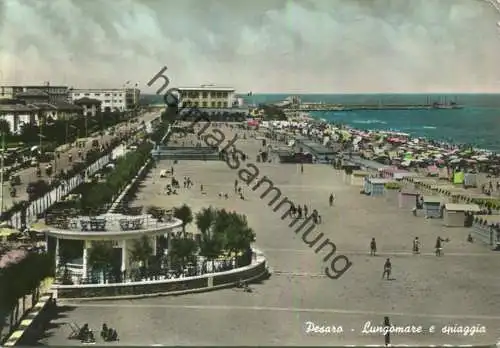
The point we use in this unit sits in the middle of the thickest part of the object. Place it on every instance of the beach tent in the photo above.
(470, 180)
(432, 170)
(407, 199)
(454, 214)
(252, 123)
(458, 178)
(432, 206)
(375, 186)
(357, 178)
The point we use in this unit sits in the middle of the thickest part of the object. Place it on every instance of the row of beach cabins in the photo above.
(435, 196)
(439, 193)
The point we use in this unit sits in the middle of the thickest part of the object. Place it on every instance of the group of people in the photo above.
(415, 249)
(416, 246)
(298, 211)
(86, 335)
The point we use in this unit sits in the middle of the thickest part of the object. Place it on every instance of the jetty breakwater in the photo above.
(336, 107)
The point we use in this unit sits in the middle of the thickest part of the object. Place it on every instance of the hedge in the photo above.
(125, 170)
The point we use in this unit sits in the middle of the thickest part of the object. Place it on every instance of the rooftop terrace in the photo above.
(108, 225)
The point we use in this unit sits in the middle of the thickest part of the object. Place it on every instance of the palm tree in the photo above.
(205, 220)
(141, 251)
(184, 214)
(238, 236)
(99, 257)
(182, 249)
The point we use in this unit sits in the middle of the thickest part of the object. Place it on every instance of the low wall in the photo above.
(30, 321)
(206, 282)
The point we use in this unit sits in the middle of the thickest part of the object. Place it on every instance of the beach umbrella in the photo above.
(39, 226)
(7, 231)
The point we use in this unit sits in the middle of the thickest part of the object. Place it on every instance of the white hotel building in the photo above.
(208, 96)
(115, 99)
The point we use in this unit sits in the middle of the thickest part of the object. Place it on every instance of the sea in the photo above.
(478, 123)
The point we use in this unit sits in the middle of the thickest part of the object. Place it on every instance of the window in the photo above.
(97, 94)
(120, 101)
(213, 104)
(225, 104)
(219, 104)
(106, 101)
(107, 94)
(87, 94)
(196, 104)
(114, 94)
(205, 95)
(204, 104)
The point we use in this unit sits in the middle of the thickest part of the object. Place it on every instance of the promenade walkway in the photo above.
(457, 290)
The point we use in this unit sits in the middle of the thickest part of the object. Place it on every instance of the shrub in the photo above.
(393, 186)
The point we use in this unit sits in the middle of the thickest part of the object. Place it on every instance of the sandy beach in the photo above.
(460, 288)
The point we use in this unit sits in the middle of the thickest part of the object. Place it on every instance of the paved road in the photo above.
(29, 174)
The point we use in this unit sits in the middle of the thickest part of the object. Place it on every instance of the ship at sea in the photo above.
(446, 105)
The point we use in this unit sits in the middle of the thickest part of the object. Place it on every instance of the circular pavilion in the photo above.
(71, 241)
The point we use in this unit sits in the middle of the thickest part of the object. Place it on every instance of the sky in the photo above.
(263, 46)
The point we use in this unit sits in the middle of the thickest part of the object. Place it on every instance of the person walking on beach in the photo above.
(387, 269)
(301, 168)
(331, 199)
(306, 211)
(416, 246)
(439, 245)
(373, 247)
(235, 186)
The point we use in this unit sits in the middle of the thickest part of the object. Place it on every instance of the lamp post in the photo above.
(40, 135)
(2, 159)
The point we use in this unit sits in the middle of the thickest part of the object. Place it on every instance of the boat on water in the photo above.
(446, 105)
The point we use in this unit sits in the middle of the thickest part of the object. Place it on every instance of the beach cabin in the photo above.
(357, 178)
(454, 214)
(375, 186)
(348, 168)
(407, 199)
(401, 174)
(388, 172)
(470, 180)
(432, 206)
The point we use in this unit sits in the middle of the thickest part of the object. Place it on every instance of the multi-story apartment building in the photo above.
(208, 96)
(115, 99)
(56, 94)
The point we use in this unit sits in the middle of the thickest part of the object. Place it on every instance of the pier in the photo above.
(337, 107)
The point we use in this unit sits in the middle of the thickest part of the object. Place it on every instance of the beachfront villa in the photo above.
(71, 240)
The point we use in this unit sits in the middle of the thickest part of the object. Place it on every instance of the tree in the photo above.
(5, 127)
(205, 220)
(233, 229)
(141, 250)
(23, 278)
(99, 257)
(182, 250)
(184, 214)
